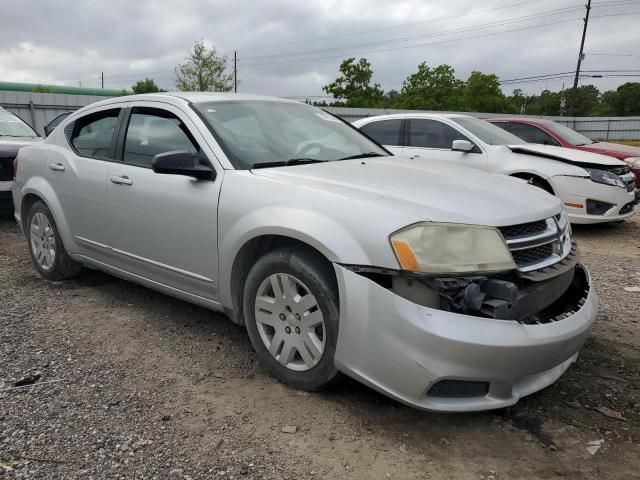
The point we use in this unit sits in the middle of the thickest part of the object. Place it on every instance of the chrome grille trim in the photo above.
(557, 234)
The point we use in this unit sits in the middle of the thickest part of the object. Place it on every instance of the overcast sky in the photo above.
(68, 42)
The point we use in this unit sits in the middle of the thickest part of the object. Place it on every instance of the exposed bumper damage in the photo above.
(462, 343)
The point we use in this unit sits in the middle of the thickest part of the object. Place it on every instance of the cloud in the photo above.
(292, 48)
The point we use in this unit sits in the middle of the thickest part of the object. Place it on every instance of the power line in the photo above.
(559, 11)
(489, 34)
(612, 54)
(393, 27)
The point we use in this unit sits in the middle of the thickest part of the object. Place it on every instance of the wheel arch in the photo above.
(246, 257)
(37, 189)
(535, 177)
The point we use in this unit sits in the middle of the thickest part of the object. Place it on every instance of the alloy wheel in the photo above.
(43, 241)
(290, 322)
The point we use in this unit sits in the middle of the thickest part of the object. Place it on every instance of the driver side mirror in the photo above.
(182, 162)
(462, 146)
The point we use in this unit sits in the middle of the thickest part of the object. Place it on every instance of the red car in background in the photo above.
(548, 132)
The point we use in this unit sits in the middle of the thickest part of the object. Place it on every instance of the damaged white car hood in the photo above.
(567, 155)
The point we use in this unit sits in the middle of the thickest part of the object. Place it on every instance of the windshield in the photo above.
(262, 133)
(12, 126)
(488, 132)
(569, 135)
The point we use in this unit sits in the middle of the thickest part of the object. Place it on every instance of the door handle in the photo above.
(123, 180)
(414, 156)
(58, 167)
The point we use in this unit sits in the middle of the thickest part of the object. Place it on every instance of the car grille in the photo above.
(523, 229)
(533, 255)
(538, 244)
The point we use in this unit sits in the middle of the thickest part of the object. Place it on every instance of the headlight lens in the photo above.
(451, 248)
(633, 162)
(607, 178)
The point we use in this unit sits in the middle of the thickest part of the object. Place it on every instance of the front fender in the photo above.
(313, 228)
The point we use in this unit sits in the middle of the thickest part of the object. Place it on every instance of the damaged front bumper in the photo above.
(435, 359)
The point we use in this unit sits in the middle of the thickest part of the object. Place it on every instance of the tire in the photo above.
(305, 350)
(45, 242)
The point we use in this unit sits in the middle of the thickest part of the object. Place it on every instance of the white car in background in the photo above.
(594, 188)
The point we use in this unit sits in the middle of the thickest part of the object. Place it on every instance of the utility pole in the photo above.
(235, 71)
(102, 79)
(580, 58)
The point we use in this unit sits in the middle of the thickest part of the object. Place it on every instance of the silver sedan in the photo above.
(443, 287)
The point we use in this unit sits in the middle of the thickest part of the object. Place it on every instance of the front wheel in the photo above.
(291, 313)
(45, 245)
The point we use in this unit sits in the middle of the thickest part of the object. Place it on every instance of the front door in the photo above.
(428, 139)
(163, 227)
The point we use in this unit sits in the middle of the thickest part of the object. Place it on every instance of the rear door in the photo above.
(429, 139)
(79, 174)
(163, 227)
(388, 132)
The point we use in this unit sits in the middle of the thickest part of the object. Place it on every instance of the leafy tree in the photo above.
(432, 89)
(586, 100)
(354, 85)
(626, 99)
(483, 94)
(148, 85)
(203, 71)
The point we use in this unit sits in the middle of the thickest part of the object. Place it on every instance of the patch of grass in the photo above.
(633, 143)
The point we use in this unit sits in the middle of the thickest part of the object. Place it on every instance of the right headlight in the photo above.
(605, 177)
(443, 248)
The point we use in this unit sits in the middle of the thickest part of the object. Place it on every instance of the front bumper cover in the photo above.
(402, 349)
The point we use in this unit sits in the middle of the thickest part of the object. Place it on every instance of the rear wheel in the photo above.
(47, 252)
(291, 314)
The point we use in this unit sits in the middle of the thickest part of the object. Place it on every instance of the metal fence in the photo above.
(38, 109)
(596, 128)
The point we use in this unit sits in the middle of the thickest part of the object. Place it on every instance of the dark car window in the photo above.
(93, 134)
(532, 134)
(432, 134)
(385, 132)
(152, 131)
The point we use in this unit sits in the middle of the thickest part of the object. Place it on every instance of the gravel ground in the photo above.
(130, 383)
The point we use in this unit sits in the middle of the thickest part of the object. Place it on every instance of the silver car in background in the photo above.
(443, 287)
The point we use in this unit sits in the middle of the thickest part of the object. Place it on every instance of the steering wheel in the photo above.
(311, 146)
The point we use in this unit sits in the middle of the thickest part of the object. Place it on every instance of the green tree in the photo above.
(203, 70)
(483, 94)
(587, 100)
(432, 89)
(626, 100)
(148, 85)
(354, 85)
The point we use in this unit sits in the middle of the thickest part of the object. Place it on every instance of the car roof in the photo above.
(414, 115)
(533, 121)
(194, 97)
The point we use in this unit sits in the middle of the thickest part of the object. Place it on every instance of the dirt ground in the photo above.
(135, 384)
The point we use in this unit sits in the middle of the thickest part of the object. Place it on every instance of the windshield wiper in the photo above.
(16, 136)
(363, 155)
(287, 163)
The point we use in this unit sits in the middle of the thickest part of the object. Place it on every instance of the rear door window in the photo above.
(385, 132)
(152, 131)
(93, 134)
(532, 134)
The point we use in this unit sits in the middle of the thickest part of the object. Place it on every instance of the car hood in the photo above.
(426, 190)
(607, 148)
(567, 155)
